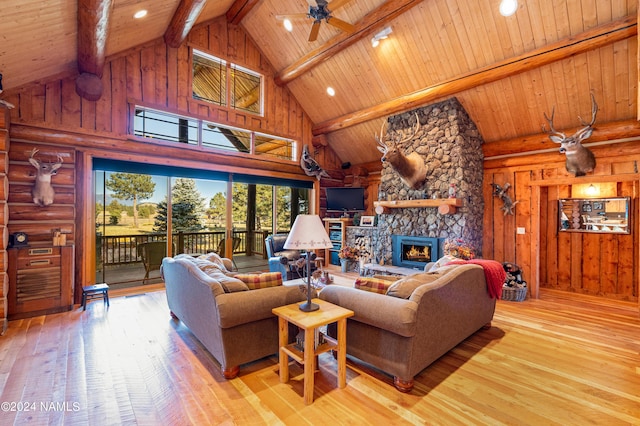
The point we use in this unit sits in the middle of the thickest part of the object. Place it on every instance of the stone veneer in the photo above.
(452, 147)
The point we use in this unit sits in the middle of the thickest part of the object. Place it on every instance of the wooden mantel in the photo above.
(444, 205)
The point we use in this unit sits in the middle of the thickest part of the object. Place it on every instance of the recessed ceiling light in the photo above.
(508, 7)
(331, 91)
(140, 14)
(288, 25)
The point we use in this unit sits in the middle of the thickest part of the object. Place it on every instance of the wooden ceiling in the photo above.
(506, 71)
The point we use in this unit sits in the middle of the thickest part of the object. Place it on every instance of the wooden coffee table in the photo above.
(309, 322)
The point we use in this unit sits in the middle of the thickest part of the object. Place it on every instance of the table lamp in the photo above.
(308, 233)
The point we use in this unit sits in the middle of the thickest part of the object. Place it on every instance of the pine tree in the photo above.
(187, 208)
(130, 186)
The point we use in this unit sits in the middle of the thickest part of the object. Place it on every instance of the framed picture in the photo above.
(366, 221)
(597, 205)
(586, 207)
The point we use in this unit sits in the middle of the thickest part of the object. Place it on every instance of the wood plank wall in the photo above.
(597, 264)
(4, 216)
(51, 116)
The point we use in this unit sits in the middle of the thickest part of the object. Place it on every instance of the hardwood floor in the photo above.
(562, 359)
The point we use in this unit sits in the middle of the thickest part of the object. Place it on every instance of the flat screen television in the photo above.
(345, 199)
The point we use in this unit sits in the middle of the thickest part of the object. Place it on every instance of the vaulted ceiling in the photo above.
(506, 71)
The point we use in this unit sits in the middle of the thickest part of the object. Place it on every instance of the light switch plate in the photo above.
(520, 230)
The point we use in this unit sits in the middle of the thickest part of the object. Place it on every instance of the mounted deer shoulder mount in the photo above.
(43, 192)
(411, 168)
(580, 160)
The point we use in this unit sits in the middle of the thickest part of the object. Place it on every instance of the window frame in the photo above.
(228, 102)
(200, 124)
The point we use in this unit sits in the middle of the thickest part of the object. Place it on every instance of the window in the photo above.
(212, 76)
(154, 124)
(219, 137)
(164, 126)
(274, 147)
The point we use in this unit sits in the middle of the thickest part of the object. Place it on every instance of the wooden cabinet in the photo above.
(336, 229)
(40, 281)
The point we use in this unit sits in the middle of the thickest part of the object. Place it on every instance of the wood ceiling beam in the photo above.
(184, 18)
(239, 9)
(603, 132)
(93, 29)
(367, 26)
(562, 49)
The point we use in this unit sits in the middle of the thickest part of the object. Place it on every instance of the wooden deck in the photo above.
(131, 275)
(559, 360)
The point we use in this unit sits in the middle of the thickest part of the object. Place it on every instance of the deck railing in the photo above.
(123, 249)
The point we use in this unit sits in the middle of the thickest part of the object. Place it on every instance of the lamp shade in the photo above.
(308, 233)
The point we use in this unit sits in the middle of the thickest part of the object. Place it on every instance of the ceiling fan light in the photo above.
(508, 7)
(140, 14)
(375, 42)
(288, 25)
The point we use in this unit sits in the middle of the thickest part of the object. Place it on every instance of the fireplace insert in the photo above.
(415, 252)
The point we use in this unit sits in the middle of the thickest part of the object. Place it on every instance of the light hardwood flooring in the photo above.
(564, 360)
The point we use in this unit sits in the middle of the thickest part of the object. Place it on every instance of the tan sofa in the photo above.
(403, 336)
(236, 327)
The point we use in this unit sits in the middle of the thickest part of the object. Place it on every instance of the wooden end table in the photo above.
(309, 322)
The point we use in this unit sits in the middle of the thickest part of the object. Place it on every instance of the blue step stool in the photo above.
(95, 291)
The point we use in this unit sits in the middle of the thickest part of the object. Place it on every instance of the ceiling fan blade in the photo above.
(339, 23)
(315, 28)
(335, 4)
(292, 16)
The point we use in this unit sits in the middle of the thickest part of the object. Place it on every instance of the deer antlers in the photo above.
(43, 192)
(411, 168)
(580, 160)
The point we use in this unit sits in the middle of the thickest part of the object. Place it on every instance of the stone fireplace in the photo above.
(452, 147)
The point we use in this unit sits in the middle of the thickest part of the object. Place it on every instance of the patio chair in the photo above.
(222, 247)
(152, 253)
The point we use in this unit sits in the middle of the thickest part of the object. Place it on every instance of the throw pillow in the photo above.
(375, 285)
(229, 284)
(215, 259)
(441, 262)
(263, 280)
(404, 287)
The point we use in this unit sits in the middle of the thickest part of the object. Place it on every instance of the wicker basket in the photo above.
(516, 294)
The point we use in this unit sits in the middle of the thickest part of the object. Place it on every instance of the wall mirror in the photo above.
(610, 215)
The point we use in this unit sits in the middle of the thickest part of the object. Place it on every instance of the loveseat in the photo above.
(235, 324)
(420, 318)
(289, 262)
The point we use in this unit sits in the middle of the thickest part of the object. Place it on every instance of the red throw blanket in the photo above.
(494, 274)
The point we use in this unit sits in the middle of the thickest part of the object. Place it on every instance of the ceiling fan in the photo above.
(321, 10)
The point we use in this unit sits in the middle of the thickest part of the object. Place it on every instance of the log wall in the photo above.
(4, 216)
(599, 264)
(52, 117)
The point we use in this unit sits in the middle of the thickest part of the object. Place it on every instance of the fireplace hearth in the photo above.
(415, 252)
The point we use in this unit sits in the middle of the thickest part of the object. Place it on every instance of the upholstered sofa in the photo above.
(418, 319)
(289, 262)
(234, 323)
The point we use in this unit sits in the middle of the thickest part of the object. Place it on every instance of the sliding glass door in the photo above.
(133, 233)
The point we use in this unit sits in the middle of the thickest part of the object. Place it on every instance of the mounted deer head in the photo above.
(580, 160)
(43, 192)
(411, 168)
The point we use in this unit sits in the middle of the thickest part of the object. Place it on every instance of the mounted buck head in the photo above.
(411, 168)
(43, 192)
(580, 160)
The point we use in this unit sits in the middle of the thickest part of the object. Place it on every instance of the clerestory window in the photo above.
(226, 84)
(168, 127)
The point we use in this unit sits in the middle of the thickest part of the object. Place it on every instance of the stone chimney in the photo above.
(452, 147)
